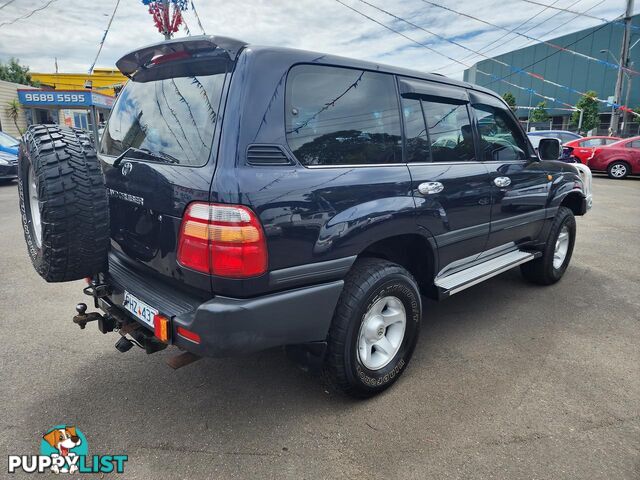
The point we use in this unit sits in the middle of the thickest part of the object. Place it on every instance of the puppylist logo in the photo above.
(64, 449)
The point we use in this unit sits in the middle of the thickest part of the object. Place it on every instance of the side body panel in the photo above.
(518, 208)
(603, 157)
(311, 215)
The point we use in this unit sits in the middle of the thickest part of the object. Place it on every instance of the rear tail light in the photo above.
(223, 240)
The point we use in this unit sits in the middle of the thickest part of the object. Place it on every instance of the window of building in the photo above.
(341, 116)
(500, 137)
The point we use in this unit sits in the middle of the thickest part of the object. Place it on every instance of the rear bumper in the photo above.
(229, 326)
(232, 326)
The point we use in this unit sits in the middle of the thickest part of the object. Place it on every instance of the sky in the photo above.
(71, 30)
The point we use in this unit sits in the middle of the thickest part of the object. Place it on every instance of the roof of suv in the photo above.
(141, 57)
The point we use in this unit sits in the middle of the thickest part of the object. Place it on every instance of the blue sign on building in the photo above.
(63, 98)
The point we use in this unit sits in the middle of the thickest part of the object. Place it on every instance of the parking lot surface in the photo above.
(509, 380)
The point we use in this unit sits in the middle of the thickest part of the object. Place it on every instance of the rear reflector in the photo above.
(188, 334)
(161, 327)
(223, 240)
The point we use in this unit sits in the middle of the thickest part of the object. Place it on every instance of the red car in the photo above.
(583, 147)
(619, 159)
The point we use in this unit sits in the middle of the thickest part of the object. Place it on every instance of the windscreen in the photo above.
(172, 119)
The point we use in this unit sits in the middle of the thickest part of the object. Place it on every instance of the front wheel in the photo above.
(557, 252)
(374, 329)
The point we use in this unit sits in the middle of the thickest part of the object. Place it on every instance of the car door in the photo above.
(584, 148)
(634, 148)
(520, 185)
(451, 187)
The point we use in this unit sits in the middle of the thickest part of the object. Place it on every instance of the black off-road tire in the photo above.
(619, 164)
(72, 201)
(369, 280)
(541, 270)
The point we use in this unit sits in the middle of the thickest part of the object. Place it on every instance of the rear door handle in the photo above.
(502, 182)
(429, 188)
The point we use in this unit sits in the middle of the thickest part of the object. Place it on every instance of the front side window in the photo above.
(500, 138)
(341, 116)
(634, 144)
(172, 119)
(416, 138)
(609, 141)
(449, 129)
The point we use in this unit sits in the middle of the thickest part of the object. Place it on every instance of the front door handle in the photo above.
(502, 182)
(429, 188)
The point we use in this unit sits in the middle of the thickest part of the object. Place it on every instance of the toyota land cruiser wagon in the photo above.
(246, 197)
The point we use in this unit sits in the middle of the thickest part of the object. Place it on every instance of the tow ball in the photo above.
(106, 324)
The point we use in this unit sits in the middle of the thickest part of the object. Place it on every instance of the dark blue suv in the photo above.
(246, 197)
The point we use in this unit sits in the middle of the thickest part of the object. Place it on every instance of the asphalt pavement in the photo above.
(508, 381)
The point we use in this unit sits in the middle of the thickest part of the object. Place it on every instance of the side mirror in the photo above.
(549, 149)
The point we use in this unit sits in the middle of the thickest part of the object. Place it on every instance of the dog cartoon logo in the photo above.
(64, 449)
(64, 441)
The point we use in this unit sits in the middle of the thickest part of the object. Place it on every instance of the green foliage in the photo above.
(539, 114)
(16, 73)
(510, 100)
(13, 110)
(590, 117)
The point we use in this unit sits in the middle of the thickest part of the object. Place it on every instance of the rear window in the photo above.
(7, 141)
(565, 137)
(342, 116)
(173, 118)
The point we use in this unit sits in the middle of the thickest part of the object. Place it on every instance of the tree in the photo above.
(13, 111)
(510, 100)
(590, 116)
(539, 114)
(16, 73)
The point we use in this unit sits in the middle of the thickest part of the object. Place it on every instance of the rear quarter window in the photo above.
(174, 117)
(342, 116)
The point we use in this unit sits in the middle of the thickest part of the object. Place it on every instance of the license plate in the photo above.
(138, 308)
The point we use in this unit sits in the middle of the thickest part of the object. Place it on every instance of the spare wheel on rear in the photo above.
(63, 203)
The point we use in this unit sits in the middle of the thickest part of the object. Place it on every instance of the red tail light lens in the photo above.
(223, 240)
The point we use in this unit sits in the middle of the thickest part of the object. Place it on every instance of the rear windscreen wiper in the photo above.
(160, 156)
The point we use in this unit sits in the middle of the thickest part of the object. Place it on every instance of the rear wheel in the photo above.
(618, 170)
(63, 203)
(557, 252)
(374, 330)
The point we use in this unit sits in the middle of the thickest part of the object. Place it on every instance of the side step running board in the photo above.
(456, 282)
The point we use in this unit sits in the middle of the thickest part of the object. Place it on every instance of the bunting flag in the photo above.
(167, 14)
